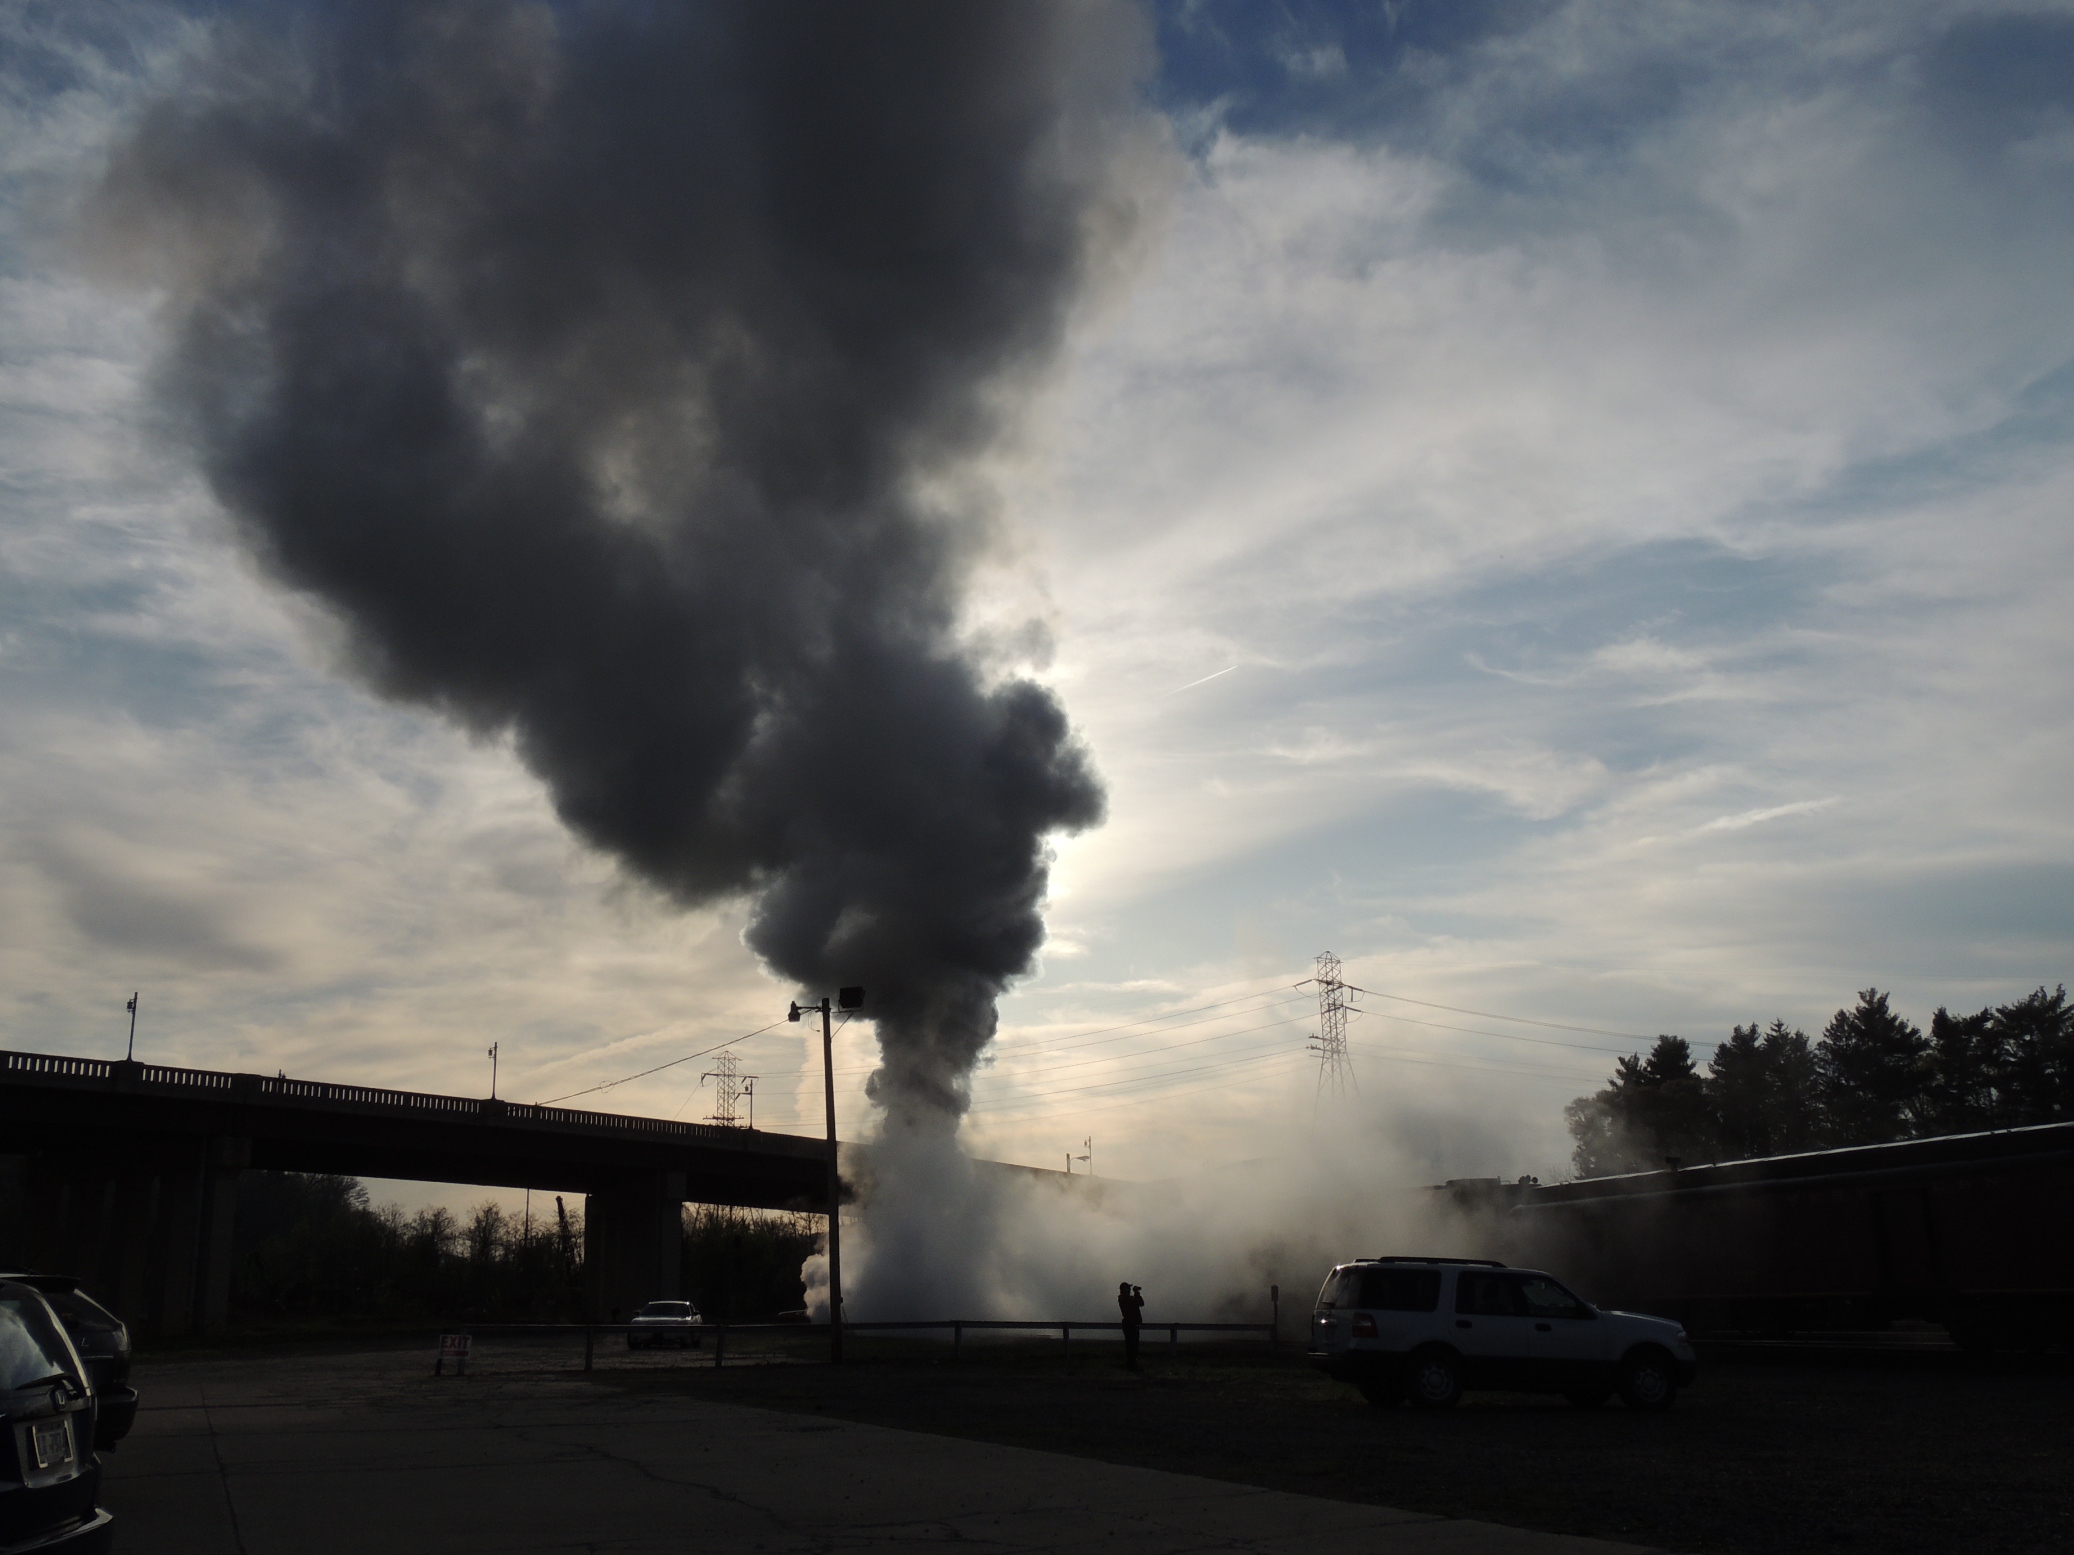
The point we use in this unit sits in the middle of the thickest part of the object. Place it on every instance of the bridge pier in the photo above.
(633, 1244)
(149, 1228)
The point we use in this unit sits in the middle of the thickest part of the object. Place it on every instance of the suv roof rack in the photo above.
(1479, 1263)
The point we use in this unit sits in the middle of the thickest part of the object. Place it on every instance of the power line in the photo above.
(1208, 1020)
(1237, 1061)
(1159, 1055)
(659, 1068)
(1110, 1085)
(1400, 1056)
(1503, 1036)
(1167, 1022)
(1080, 1063)
(1025, 1097)
(1013, 1113)
(1161, 1087)
(1522, 1020)
(1272, 995)
(1022, 1111)
(1172, 1047)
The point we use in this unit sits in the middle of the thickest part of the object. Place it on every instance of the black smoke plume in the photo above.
(616, 373)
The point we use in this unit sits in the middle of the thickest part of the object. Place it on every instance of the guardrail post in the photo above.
(957, 1343)
(1066, 1342)
(1174, 1341)
(719, 1345)
(589, 1338)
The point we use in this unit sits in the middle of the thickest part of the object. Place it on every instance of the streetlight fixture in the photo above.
(845, 999)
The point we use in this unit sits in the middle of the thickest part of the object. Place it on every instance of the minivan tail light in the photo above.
(1364, 1326)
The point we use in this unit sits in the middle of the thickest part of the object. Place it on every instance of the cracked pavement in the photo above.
(305, 1455)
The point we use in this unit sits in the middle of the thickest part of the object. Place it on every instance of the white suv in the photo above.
(1426, 1328)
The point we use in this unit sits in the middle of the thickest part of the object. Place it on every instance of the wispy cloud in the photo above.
(1770, 813)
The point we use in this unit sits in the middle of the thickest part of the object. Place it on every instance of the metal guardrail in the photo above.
(1174, 1331)
(718, 1332)
(60, 1069)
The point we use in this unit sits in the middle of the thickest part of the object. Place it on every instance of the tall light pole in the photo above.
(846, 999)
(131, 1056)
(493, 1069)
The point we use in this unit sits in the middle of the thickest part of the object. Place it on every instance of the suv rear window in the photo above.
(31, 1349)
(1382, 1290)
(81, 1312)
(1398, 1290)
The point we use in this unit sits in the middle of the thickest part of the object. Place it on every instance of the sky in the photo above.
(1569, 513)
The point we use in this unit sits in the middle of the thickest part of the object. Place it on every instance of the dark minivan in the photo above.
(103, 1342)
(49, 1476)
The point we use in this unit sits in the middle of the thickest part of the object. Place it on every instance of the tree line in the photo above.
(1871, 1077)
(311, 1247)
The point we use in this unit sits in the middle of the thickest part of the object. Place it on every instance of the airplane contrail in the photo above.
(1204, 681)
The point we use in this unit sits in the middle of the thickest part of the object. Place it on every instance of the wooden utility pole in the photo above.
(835, 1199)
(850, 999)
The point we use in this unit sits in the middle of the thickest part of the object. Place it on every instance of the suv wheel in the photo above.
(1646, 1382)
(1435, 1379)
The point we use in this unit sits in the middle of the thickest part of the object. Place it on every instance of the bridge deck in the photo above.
(53, 1102)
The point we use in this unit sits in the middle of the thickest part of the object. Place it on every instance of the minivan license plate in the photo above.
(53, 1444)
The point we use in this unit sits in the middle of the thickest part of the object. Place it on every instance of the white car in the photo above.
(1424, 1329)
(665, 1322)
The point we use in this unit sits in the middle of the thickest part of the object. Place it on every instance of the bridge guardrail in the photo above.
(55, 1068)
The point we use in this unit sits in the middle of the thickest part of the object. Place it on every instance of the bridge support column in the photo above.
(150, 1233)
(633, 1244)
(223, 1163)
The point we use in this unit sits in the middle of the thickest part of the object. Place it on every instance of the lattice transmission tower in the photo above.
(1335, 1064)
(730, 1087)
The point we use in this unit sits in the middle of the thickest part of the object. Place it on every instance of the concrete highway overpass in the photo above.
(128, 1171)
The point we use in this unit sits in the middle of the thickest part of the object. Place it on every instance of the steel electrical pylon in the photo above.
(730, 1086)
(1335, 1064)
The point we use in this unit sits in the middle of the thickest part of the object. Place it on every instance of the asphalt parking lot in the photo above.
(1897, 1445)
(355, 1451)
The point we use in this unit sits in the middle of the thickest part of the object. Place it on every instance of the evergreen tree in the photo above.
(1599, 1145)
(1873, 1077)
(1968, 1065)
(1655, 1108)
(1875, 1073)
(1793, 1093)
(1739, 1086)
(1761, 1088)
(2036, 1042)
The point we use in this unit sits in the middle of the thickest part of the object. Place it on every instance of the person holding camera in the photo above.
(1130, 1300)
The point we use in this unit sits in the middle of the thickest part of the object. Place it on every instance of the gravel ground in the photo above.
(1783, 1448)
